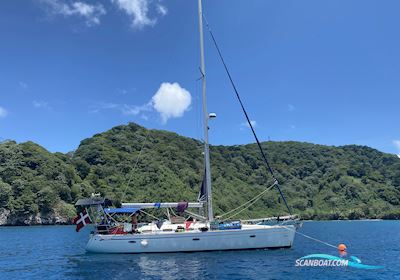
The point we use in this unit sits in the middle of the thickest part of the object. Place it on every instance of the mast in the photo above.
(210, 214)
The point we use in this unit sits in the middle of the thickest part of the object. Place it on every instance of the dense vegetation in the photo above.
(320, 182)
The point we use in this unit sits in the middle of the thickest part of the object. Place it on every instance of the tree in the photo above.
(5, 193)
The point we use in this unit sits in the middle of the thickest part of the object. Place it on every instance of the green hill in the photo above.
(320, 182)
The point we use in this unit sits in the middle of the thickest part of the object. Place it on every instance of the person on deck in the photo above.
(134, 222)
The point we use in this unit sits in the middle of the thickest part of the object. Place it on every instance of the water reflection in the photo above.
(149, 266)
(175, 266)
(58, 253)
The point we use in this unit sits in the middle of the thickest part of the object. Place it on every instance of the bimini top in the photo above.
(121, 210)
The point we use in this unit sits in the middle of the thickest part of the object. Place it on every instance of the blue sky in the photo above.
(325, 72)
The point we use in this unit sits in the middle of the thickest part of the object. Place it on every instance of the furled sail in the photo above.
(203, 190)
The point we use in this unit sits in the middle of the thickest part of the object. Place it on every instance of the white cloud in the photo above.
(138, 11)
(253, 124)
(40, 104)
(23, 85)
(162, 10)
(246, 124)
(396, 143)
(3, 112)
(125, 109)
(134, 109)
(91, 13)
(105, 105)
(171, 101)
(122, 91)
(98, 106)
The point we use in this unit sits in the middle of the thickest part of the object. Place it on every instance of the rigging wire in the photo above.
(136, 164)
(151, 215)
(247, 116)
(247, 204)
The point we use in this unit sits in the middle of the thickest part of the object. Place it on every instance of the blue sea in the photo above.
(57, 252)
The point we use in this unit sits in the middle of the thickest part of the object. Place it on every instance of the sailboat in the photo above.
(196, 233)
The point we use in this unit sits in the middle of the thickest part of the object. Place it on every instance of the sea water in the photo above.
(57, 252)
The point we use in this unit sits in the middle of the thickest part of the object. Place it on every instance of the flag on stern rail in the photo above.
(81, 220)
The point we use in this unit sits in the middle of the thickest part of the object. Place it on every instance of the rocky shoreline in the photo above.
(50, 218)
(55, 218)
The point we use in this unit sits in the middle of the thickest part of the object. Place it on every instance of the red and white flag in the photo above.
(82, 220)
(188, 224)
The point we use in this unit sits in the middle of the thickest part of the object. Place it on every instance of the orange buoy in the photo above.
(342, 247)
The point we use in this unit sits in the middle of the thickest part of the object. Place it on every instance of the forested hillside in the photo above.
(320, 182)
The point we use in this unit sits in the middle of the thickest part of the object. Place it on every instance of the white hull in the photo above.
(249, 237)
